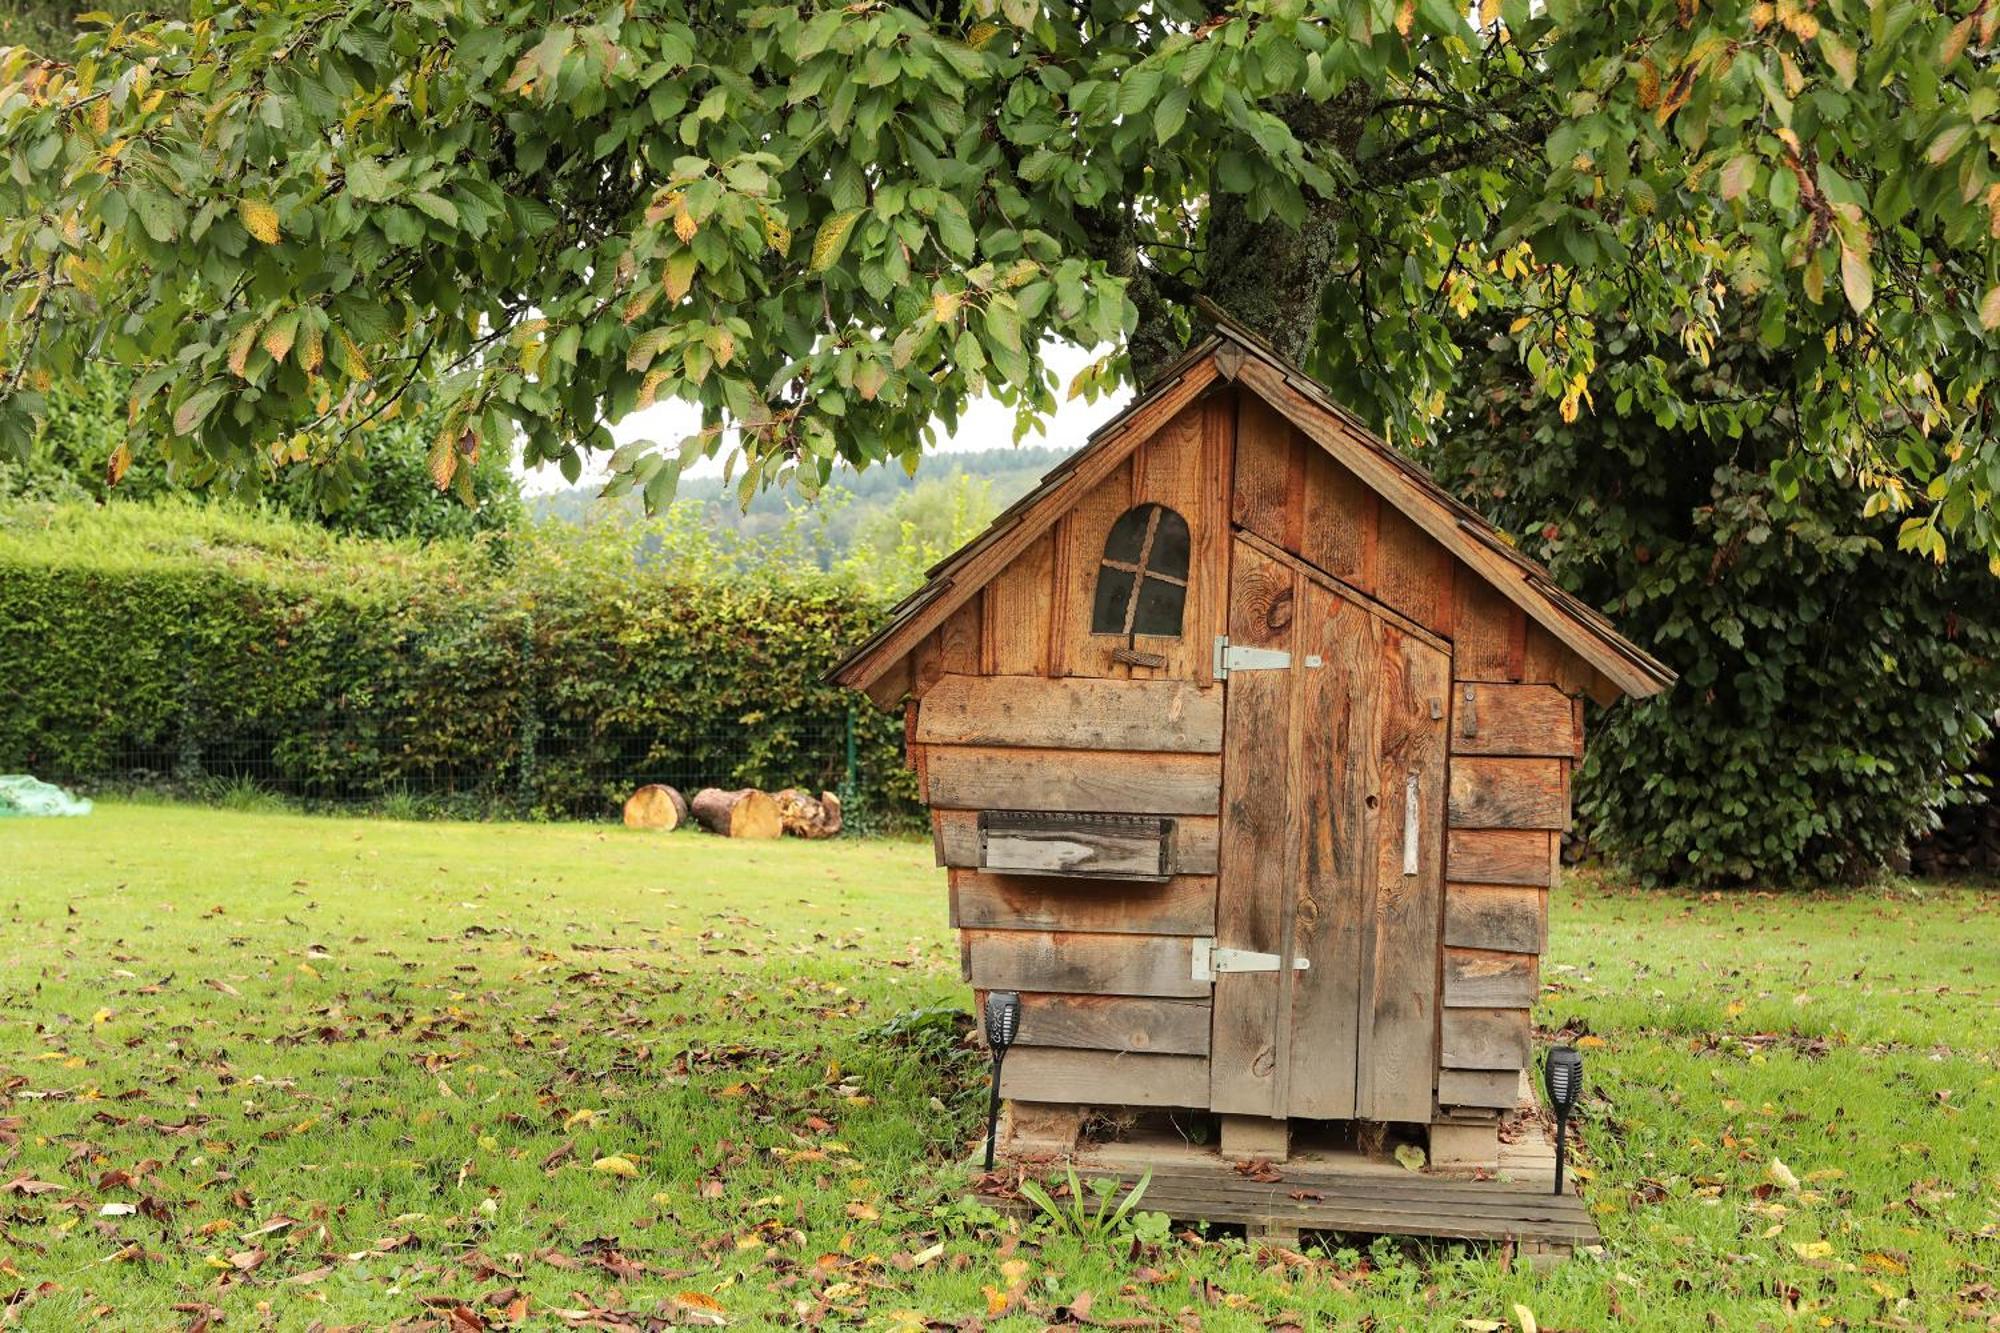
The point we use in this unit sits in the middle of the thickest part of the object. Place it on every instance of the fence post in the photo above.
(851, 781)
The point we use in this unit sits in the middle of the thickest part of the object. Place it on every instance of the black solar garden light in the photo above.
(1003, 1020)
(1562, 1072)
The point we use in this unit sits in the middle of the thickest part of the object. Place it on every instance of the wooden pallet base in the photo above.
(1364, 1199)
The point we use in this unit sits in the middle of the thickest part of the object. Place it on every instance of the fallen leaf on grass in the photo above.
(1781, 1175)
(1526, 1318)
(615, 1165)
(1813, 1249)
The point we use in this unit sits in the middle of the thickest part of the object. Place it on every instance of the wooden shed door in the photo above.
(1332, 835)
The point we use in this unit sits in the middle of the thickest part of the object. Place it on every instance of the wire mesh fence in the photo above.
(357, 760)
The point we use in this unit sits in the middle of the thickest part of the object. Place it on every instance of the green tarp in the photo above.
(23, 795)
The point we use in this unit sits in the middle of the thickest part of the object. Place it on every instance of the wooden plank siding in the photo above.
(1082, 963)
(1079, 713)
(971, 777)
(1100, 1078)
(1184, 905)
(1111, 1023)
(955, 837)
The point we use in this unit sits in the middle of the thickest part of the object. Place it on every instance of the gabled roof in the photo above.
(1235, 354)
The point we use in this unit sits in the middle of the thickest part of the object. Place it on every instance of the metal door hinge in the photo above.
(1210, 961)
(1228, 658)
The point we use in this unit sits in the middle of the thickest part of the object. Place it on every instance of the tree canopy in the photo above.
(831, 226)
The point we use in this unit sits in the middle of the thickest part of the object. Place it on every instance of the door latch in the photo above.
(1210, 961)
(1230, 658)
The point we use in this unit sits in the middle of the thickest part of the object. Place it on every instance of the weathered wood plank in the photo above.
(1498, 1088)
(1076, 713)
(1104, 1078)
(1330, 775)
(1484, 1039)
(1260, 834)
(1174, 469)
(1113, 1023)
(1516, 720)
(1078, 845)
(1484, 636)
(1190, 847)
(1077, 651)
(1340, 522)
(1398, 1025)
(1489, 792)
(1509, 917)
(1499, 856)
(1414, 574)
(1015, 610)
(966, 777)
(1486, 979)
(1184, 905)
(1265, 444)
(1083, 963)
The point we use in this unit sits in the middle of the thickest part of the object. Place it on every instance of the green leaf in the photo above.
(436, 206)
(1736, 175)
(194, 409)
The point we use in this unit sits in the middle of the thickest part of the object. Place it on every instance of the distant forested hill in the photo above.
(997, 477)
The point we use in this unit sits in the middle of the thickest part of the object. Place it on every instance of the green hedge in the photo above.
(541, 674)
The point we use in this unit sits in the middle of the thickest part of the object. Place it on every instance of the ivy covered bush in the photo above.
(1833, 689)
(544, 673)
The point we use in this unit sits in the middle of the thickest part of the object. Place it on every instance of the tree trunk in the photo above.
(656, 806)
(807, 816)
(748, 813)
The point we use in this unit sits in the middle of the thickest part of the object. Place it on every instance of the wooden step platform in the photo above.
(1355, 1196)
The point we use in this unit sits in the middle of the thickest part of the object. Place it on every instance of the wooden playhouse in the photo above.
(1247, 749)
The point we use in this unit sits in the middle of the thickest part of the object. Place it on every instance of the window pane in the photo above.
(1114, 589)
(1159, 608)
(1170, 546)
(1128, 534)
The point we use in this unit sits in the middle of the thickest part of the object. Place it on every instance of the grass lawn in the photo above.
(275, 1070)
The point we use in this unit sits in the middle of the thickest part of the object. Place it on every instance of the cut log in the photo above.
(656, 806)
(748, 813)
(807, 816)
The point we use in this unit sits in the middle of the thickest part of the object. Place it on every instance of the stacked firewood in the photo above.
(745, 813)
(1968, 843)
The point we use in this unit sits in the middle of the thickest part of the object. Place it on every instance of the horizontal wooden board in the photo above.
(968, 777)
(1112, 1023)
(1039, 842)
(1072, 713)
(1499, 1088)
(1190, 849)
(1075, 962)
(1500, 856)
(1104, 1078)
(1489, 792)
(1485, 979)
(1484, 1039)
(1184, 905)
(1518, 720)
(1366, 1202)
(1512, 917)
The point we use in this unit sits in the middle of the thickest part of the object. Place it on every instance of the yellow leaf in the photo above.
(583, 1117)
(313, 350)
(102, 1016)
(1813, 1249)
(118, 464)
(1410, 1157)
(1406, 17)
(615, 1165)
(679, 275)
(944, 306)
(1989, 310)
(260, 220)
(1526, 1318)
(442, 461)
(1857, 279)
(832, 239)
(684, 224)
(996, 1301)
(239, 349)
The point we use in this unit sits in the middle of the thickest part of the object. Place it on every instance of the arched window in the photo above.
(1142, 584)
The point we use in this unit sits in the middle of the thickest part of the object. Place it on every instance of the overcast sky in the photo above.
(988, 425)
